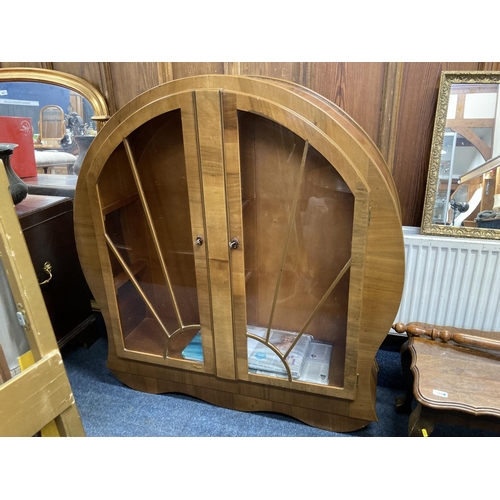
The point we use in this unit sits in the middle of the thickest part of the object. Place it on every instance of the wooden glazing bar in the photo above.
(276, 351)
(135, 283)
(320, 303)
(289, 232)
(178, 332)
(152, 230)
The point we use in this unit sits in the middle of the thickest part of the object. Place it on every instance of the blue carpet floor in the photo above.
(108, 408)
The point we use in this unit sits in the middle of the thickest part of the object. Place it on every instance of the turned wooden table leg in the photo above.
(403, 403)
(420, 424)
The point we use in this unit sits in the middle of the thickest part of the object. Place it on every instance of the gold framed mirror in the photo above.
(462, 197)
(26, 92)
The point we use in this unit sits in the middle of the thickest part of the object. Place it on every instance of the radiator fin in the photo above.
(451, 281)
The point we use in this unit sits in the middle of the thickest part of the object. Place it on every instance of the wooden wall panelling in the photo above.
(185, 69)
(296, 72)
(489, 66)
(417, 109)
(355, 87)
(95, 73)
(389, 114)
(394, 102)
(130, 79)
(26, 65)
(89, 71)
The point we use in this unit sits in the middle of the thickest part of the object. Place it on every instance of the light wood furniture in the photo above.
(4, 367)
(453, 376)
(52, 126)
(42, 393)
(238, 207)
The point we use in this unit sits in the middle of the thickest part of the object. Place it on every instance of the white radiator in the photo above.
(451, 281)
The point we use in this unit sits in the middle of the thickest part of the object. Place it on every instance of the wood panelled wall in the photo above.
(394, 102)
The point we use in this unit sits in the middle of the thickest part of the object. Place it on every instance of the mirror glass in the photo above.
(53, 117)
(463, 193)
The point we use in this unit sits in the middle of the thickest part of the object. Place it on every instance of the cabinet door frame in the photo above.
(233, 102)
(116, 138)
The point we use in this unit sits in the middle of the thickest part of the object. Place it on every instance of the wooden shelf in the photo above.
(135, 269)
(147, 337)
(120, 203)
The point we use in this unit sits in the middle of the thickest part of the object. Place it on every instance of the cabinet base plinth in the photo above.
(327, 420)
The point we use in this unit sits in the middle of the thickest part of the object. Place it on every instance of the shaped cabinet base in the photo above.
(243, 240)
(316, 410)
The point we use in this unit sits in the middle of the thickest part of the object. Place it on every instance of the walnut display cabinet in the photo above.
(242, 237)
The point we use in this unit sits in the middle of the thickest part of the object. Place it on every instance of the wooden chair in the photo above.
(453, 374)
(52, 126)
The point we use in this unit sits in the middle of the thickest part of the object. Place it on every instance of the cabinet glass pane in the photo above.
(297, 219)
(148, 227)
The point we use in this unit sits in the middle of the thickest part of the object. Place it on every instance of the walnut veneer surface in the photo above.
(453, 383)
(219, 203)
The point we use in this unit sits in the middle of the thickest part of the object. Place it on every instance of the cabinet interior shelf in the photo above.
(135, 269)
(120, 203)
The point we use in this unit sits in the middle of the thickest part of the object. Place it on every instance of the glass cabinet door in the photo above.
(144, 197)
(297, 225)
(229, 240)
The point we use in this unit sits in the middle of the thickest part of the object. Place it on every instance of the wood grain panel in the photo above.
(212, 161)
(357, 88)
(23, 65)
(292, 71)
(89, 71)
(414, 134)
(184, 69)
(30, 402)
(131, 79)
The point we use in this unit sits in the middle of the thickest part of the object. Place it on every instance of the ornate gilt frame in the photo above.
(95, 98)
(447, 79)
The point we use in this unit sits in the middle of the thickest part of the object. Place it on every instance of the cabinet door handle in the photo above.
(198, 241)
(47, 267)
(234, 243)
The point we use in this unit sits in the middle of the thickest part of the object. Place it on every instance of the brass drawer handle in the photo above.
(47, 267)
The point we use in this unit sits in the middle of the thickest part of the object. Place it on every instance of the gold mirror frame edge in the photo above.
(427, 227)
(49, 76)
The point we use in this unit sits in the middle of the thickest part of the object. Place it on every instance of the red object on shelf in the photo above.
(18, 130)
